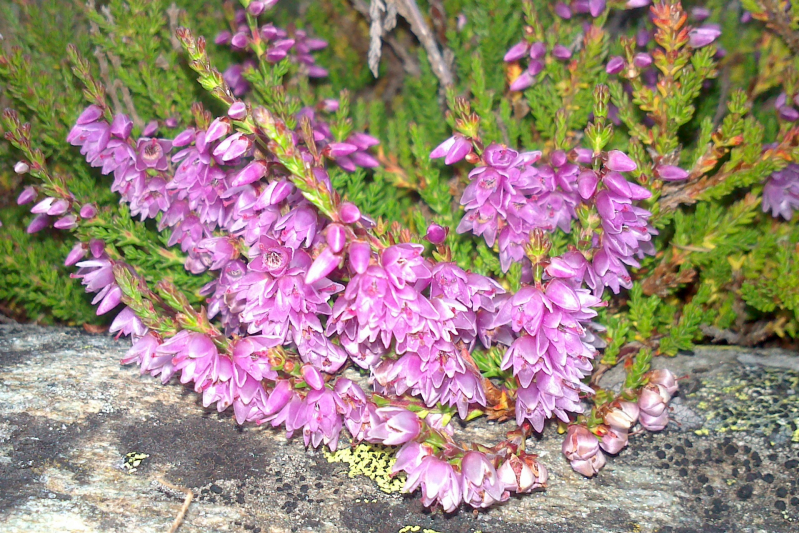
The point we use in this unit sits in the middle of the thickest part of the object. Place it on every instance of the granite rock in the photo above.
(69, 413)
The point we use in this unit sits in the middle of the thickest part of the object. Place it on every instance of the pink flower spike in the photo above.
(671, 173)
(620, 162)
(322, 266)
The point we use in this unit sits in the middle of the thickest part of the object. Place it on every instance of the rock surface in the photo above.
(69, 413)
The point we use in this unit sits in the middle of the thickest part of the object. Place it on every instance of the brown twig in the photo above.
(173, 490)
(409, 64)
(410, 12)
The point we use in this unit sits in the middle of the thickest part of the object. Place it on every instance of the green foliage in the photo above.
(721, 262)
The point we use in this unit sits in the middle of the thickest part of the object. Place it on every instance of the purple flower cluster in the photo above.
(297, 296)
(274, 44)
(781, 192)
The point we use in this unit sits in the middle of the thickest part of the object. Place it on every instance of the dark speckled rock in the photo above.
(69, 413)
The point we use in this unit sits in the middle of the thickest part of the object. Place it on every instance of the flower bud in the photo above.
(699, 37)
(619, 162)
(112, 299)
(239, 40)
(121, 126)
(21, 167)
(67, 222)
(38, 223)
(278, 398)
(517, 51)
(670, 173)
(642, 60)
(249, 174)
(335, 150)
(322, 266)
(256, 7)
(237, 111)
(537, 50)
(312, 377)
(150, 128)
(561, 52)
(77, 253)
(586, 184)
(349, 213)
(336, 237)
(27, 195)
(615, 65)
(360, 253)
(88, 211)
(436, 234)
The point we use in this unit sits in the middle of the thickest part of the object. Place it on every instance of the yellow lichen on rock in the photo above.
(370, 460)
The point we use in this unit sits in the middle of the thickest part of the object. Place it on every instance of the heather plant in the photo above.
(481, 207)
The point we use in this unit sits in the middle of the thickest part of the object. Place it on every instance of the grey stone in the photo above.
(69, 413)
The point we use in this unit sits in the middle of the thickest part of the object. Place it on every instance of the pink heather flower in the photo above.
(517, 51)
(38, 223)
(670, 173)
(653, 400)
(76, 254)
(615, 65)
(482, 486)
(614, 440)
(439, 481)
(563, 11)
(654, 423)
(453, 149)
(642, 60)
(21, 167)
(665, 379)
(393, 426)
(561, 52)
(619, 162)
(581, 448)
(699, 37)
(781, 192)
(622, 415)
(88, 211)
(27, 195)
(522, 475)
(323, 425)
(127, 323)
